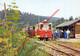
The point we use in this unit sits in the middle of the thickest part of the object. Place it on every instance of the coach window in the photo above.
(33, 28)
(41, 26)
(49, 26)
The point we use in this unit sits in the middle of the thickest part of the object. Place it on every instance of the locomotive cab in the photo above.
(45, 31)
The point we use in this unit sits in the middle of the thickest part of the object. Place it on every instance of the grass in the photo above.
(31, 49)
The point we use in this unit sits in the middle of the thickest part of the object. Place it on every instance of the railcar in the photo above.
(45, 31)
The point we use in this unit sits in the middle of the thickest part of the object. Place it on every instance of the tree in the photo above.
(13, 14)
(76, 18)
(71, 18)
(0, 16)
(62, 19)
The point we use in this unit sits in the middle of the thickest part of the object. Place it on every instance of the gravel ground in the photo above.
(70, 40)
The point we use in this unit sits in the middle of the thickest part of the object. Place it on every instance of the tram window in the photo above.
(33, 28)
(41, 26)
(49, 26)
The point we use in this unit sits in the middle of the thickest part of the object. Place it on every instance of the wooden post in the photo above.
(5, 12)
(5, 17)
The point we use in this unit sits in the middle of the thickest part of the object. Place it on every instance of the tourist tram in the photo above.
(45, 32)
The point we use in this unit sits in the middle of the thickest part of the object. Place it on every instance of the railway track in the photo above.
(64, 48)
(53, 50)
(68, 45)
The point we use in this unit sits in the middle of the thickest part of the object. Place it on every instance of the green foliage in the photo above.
(59, 21)
(13, 16)
(10, 42)
(71, 18)
(13, 3)
(76, 18)
(7, 39)
(31, 49)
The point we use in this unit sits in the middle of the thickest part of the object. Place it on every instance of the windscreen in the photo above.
(46, 27)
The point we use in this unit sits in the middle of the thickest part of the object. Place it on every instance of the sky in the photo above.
(47, 7)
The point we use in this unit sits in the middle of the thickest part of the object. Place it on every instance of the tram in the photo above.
(45, 31)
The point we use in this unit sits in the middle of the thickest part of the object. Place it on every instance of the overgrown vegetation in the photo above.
(12, 35)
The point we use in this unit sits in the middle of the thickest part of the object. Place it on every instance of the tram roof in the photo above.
(67, 23)
(42, 23)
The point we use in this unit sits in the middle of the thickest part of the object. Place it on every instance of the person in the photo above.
(68, 34)
(58, 34)
(61, 34)
(65, 34)
(54, 35)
